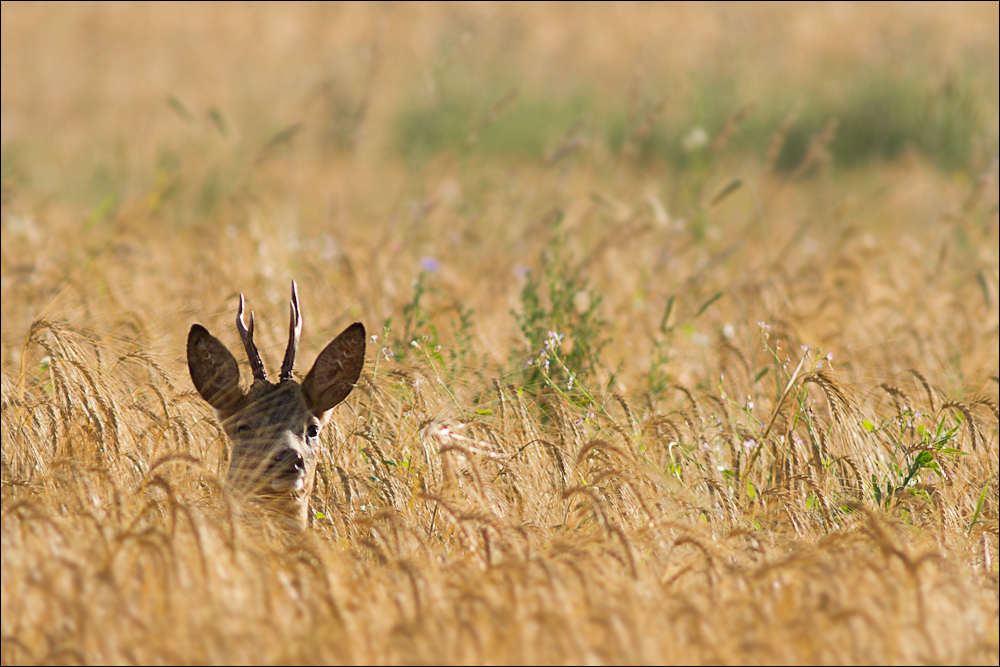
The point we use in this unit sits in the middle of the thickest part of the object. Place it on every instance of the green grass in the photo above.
(948, 119)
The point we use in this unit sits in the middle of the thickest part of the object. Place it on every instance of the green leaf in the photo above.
(181, 110)
(979, 507)
(485, 412)
(877, 489)
(868, 426)
(102, 211)
(941, 439)
(760, 376)
(666, 315)
(220, 123)
(705, 306)
(728, 189)
(984, 285)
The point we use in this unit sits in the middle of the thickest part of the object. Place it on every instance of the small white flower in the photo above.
(694, 139)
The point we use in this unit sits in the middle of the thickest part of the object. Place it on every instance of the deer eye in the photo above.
(242, 428)
(312, 431)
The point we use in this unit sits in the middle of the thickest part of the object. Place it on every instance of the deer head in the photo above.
(274, 427)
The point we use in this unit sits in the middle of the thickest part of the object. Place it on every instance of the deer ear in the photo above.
(336, 370)
(214, 371)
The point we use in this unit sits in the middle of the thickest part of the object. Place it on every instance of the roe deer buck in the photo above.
(274, 428)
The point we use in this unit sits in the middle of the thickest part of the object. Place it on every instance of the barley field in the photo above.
(682, 330)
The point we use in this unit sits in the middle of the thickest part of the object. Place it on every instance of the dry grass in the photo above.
(769, 434)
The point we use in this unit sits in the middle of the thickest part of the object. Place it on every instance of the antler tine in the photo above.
(246, 333)
(294, 333)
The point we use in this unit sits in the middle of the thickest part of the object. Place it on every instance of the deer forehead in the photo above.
(280, 407)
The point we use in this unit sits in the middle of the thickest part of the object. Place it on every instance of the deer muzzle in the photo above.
(287, 471)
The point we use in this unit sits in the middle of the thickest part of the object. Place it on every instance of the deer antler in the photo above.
(246, 333)
(294, 333)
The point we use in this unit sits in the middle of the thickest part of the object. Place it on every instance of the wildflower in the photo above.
(430, 264)
(553, 340)
(694, 139)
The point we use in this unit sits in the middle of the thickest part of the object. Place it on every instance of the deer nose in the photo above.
(288, 463)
